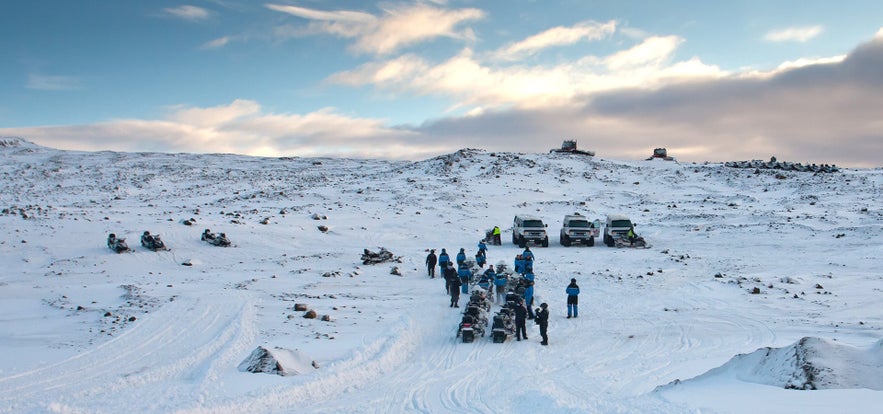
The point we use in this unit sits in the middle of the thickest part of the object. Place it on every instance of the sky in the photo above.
(710, 81)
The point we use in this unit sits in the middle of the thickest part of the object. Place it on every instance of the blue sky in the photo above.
(712, 81)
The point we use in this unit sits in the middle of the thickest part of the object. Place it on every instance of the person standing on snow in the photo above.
(497, 232)
(528, 293)
(443, 260)
(480, 259)
(489, 276)
(482, 248)
(453, 284)
(527, 254)
(500, 281)
(543, 320)
(572, 299)
(520, 320)
(431, 260)
(450, 274)
(465, 275)
(461, 257)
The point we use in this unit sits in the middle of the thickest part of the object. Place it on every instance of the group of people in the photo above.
(496, 283)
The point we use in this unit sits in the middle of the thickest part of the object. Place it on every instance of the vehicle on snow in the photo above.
(117, 244)
(529, 229)
(661, 154)
(152, 242)
(617, 225)
(219, 239)
(577, 229)
(569, 147)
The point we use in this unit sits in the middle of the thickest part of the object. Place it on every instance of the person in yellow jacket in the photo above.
(497, 240)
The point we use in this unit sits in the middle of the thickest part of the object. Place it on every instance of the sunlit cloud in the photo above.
(794, 34)
(241, 127)
(473, 83)
(186, 12)
(556, 36)
(397, 28)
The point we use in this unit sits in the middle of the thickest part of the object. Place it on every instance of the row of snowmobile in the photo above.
(474, 321)
(154, 242)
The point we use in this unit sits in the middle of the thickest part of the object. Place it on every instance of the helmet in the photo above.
(544, 305)
(572, 280)
(146, 233)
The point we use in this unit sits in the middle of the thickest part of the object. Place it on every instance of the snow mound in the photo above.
(279, 361)
(809, 364)
(16, 142)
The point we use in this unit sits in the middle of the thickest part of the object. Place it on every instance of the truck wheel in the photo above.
(591, 241)
(546, 242)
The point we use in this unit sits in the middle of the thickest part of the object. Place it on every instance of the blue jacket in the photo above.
(527, 254)
(482, 247)
(464, 273)
(528, 294)
(500, 280)
(443, 259)
(461, 257)
(572, 289)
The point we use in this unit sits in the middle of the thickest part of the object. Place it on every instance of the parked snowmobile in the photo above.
(473, 323)
(219, 239)
(152, 242)
(621, 240)
(504, 325)
(118, 245)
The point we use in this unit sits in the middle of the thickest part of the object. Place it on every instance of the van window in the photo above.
(532, 223)
(621, 223)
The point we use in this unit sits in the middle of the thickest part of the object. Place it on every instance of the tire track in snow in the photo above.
(170, 343)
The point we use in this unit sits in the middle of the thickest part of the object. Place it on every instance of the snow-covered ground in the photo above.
(675, 328)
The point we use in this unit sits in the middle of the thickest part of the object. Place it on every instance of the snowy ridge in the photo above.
(740, 261)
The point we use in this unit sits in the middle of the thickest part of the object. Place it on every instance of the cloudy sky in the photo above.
(710, 81)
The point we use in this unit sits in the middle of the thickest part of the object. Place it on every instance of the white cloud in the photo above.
(557, 36)
(794, 34)
(53, 83)
(240, 127)
(186, 12)
(217, 43)
(472, 83)
(397, 28)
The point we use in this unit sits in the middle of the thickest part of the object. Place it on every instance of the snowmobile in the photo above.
(504, 325)
(369, 257)
(474, 322)
(118, 245)
(219, 239)
(621, 240)
(152, 242)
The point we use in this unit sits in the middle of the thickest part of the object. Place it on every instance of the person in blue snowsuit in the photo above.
(519, 264)
(461, 257)
(527, 266)
(482, 248)
(489, 276)
(465, 274)
(572, 299)
(480, 259)
(443, 260)
(528, 293)
(500, 281)
(527, 254)
(485, 282)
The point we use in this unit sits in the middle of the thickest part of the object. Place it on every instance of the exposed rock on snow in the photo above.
(277, 361)
(369, 257)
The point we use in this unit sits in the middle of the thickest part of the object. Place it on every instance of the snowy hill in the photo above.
(741, 260)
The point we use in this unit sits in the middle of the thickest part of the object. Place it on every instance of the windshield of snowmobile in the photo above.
(621, 223)
(532, 223)
(579, 223)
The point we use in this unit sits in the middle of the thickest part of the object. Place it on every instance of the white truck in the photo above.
(577, 229)
(529, 229)
(616, 228)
